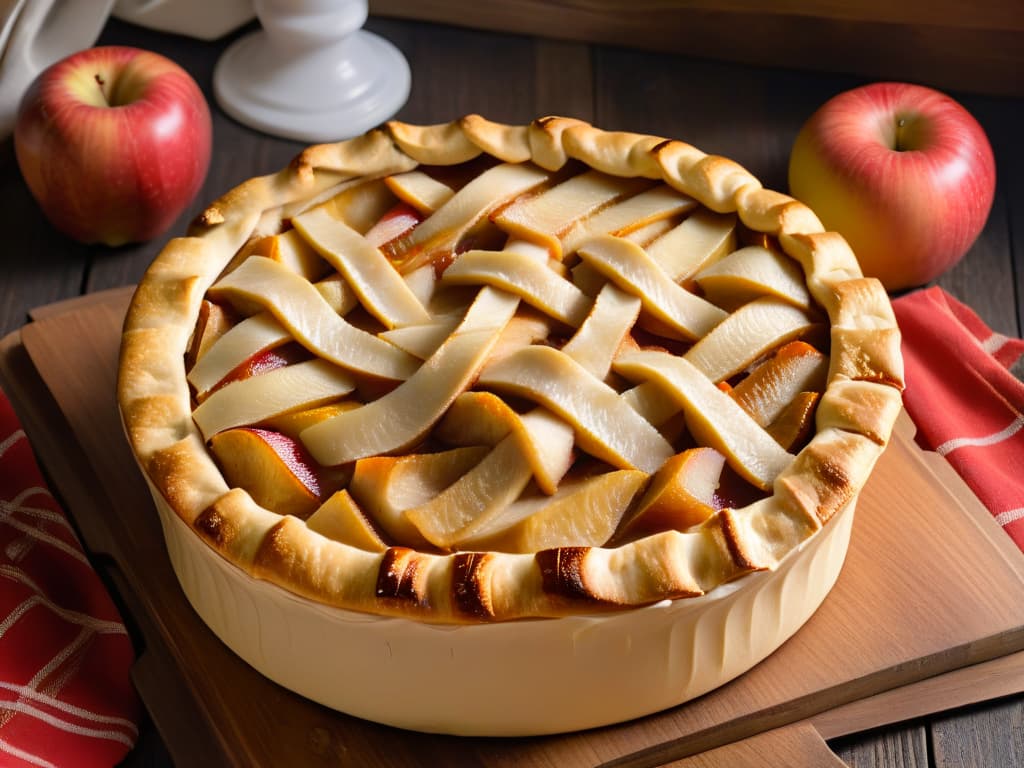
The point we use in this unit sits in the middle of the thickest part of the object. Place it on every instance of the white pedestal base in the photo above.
(323, 95)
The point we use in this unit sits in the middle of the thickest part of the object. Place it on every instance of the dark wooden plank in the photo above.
(1002, 120)
(751, 116)
(563, 79)
(955, 45)
(990, 734)
(38, 265)
(456, 71)
(507, 78)
(902, 747)
(987, 278)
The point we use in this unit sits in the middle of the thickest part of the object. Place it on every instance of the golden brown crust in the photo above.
(855, 417)
(827, 474)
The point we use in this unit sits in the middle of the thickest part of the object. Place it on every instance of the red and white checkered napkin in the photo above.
(66, 698)
(966, 403)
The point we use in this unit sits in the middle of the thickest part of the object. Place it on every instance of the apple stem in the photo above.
(101, 83)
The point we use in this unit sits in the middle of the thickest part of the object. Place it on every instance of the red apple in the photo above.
(903, 172)
(113, 143)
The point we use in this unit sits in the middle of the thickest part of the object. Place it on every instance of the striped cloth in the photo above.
(66, 698)
(967, 404)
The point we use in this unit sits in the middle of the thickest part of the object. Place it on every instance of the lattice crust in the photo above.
(505, 369)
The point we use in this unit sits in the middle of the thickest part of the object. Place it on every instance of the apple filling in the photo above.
(512, 360)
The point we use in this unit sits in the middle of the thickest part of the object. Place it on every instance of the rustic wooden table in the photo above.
(750, 114)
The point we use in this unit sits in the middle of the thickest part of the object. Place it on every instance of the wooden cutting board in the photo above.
(931, 584)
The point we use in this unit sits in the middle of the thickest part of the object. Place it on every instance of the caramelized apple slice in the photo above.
(404, 415)
(213, 322)
(298, 306)
(380, 288)
(796, 367)
(605, 425)
(275, 470)
(242, 342)
(713, 417)
(476, 418)
(482, 492)
(259, 364)
(794, 425)
(340, 518)
(386, 486)
(751, 272)
(681, 494)
(584, 513)
(294, 422)
(628, 266)
(746, 335)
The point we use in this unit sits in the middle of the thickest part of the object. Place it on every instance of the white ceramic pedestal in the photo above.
(312, 73)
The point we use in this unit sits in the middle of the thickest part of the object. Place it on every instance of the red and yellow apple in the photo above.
(114, 143)
(903, 172)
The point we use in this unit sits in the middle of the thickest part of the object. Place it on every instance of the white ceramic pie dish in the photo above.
(520, 678)
(509, 643)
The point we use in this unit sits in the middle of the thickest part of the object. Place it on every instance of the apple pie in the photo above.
(437, 380)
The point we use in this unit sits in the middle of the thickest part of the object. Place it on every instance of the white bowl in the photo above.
(516, 678)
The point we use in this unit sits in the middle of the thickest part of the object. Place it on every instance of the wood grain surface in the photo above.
(947, 44)
(750, 113)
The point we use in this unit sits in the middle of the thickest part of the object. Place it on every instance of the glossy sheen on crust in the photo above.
(854, 421)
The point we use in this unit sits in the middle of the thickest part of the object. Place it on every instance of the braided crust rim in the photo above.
(854, 419)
